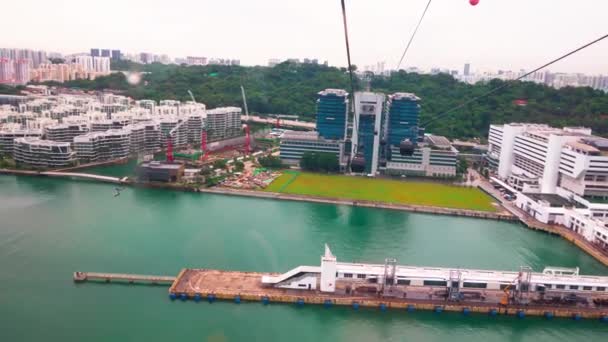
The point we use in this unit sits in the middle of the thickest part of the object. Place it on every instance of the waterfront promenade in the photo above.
(85, 176)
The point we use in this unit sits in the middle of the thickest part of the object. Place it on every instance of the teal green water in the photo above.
(50, 228)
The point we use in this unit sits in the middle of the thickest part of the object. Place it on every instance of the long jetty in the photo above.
(80, 277)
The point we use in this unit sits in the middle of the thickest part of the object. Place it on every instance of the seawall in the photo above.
(365, 204)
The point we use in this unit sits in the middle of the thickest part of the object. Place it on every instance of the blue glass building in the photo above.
(332, 111)
(403, 118)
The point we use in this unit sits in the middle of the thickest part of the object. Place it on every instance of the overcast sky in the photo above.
(496, 34)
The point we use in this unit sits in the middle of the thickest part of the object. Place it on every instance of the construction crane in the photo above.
(191, 96)
(245, 103)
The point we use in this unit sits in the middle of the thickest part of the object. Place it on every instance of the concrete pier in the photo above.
(246, 286)
(80, 277)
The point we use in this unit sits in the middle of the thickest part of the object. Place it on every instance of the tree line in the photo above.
(290, 88)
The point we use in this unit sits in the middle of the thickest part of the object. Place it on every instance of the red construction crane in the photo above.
(247, 140)
(169, 150)
(204, 145)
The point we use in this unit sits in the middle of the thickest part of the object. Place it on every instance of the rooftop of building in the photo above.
(300, 135)
(554, 200)
(38, 141)
(334, 92)
(161, 165)
(438, 141)
(404, 96)
(224, 110)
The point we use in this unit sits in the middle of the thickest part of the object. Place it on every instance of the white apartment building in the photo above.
(9, 133)
(223, 122)
(42, 153)
(65, 132)
(98, 146)
(177, 129)
(145, 137)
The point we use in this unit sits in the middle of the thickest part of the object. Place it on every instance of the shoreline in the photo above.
(365, 204)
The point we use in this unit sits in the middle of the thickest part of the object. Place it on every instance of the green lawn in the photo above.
(382, 190)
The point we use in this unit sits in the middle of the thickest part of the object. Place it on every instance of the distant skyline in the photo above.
(514, 34)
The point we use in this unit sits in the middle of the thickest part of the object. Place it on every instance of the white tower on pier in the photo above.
(328, 271)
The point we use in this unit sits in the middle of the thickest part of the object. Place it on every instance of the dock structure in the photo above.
(125, 278)
(211, 285)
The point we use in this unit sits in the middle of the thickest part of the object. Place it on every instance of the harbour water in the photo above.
(50, 228)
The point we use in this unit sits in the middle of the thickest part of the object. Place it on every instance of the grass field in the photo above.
(382, 190)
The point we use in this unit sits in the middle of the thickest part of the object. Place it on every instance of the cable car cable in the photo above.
(510, 83)
(407, 47)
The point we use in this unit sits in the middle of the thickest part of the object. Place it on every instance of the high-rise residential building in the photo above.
(273, 61)
(332, 113)
(467, 69)
(116, 55)
(86, 62)
(146, 58)
(192, 60)
(6, 70)
(101, 65)
(95, 53)
(367, 125)
(106, 53)
(22, 71)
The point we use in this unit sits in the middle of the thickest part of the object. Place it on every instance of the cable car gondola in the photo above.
(357, 164)
(406, 147)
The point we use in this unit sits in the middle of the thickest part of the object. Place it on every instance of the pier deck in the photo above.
(230, 285)
(120, 277)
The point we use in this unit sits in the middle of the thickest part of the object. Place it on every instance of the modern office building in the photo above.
(223, 123)
(529, 155)
(367, 126)
(95, 53)
(65, 132)
(332, 114)
(434, 157)
(403, 112)
(42, 153)
(294, 144)
(98, 146)
(105, 53)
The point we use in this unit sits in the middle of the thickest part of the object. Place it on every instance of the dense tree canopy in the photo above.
(319, 162)
(291, 89)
